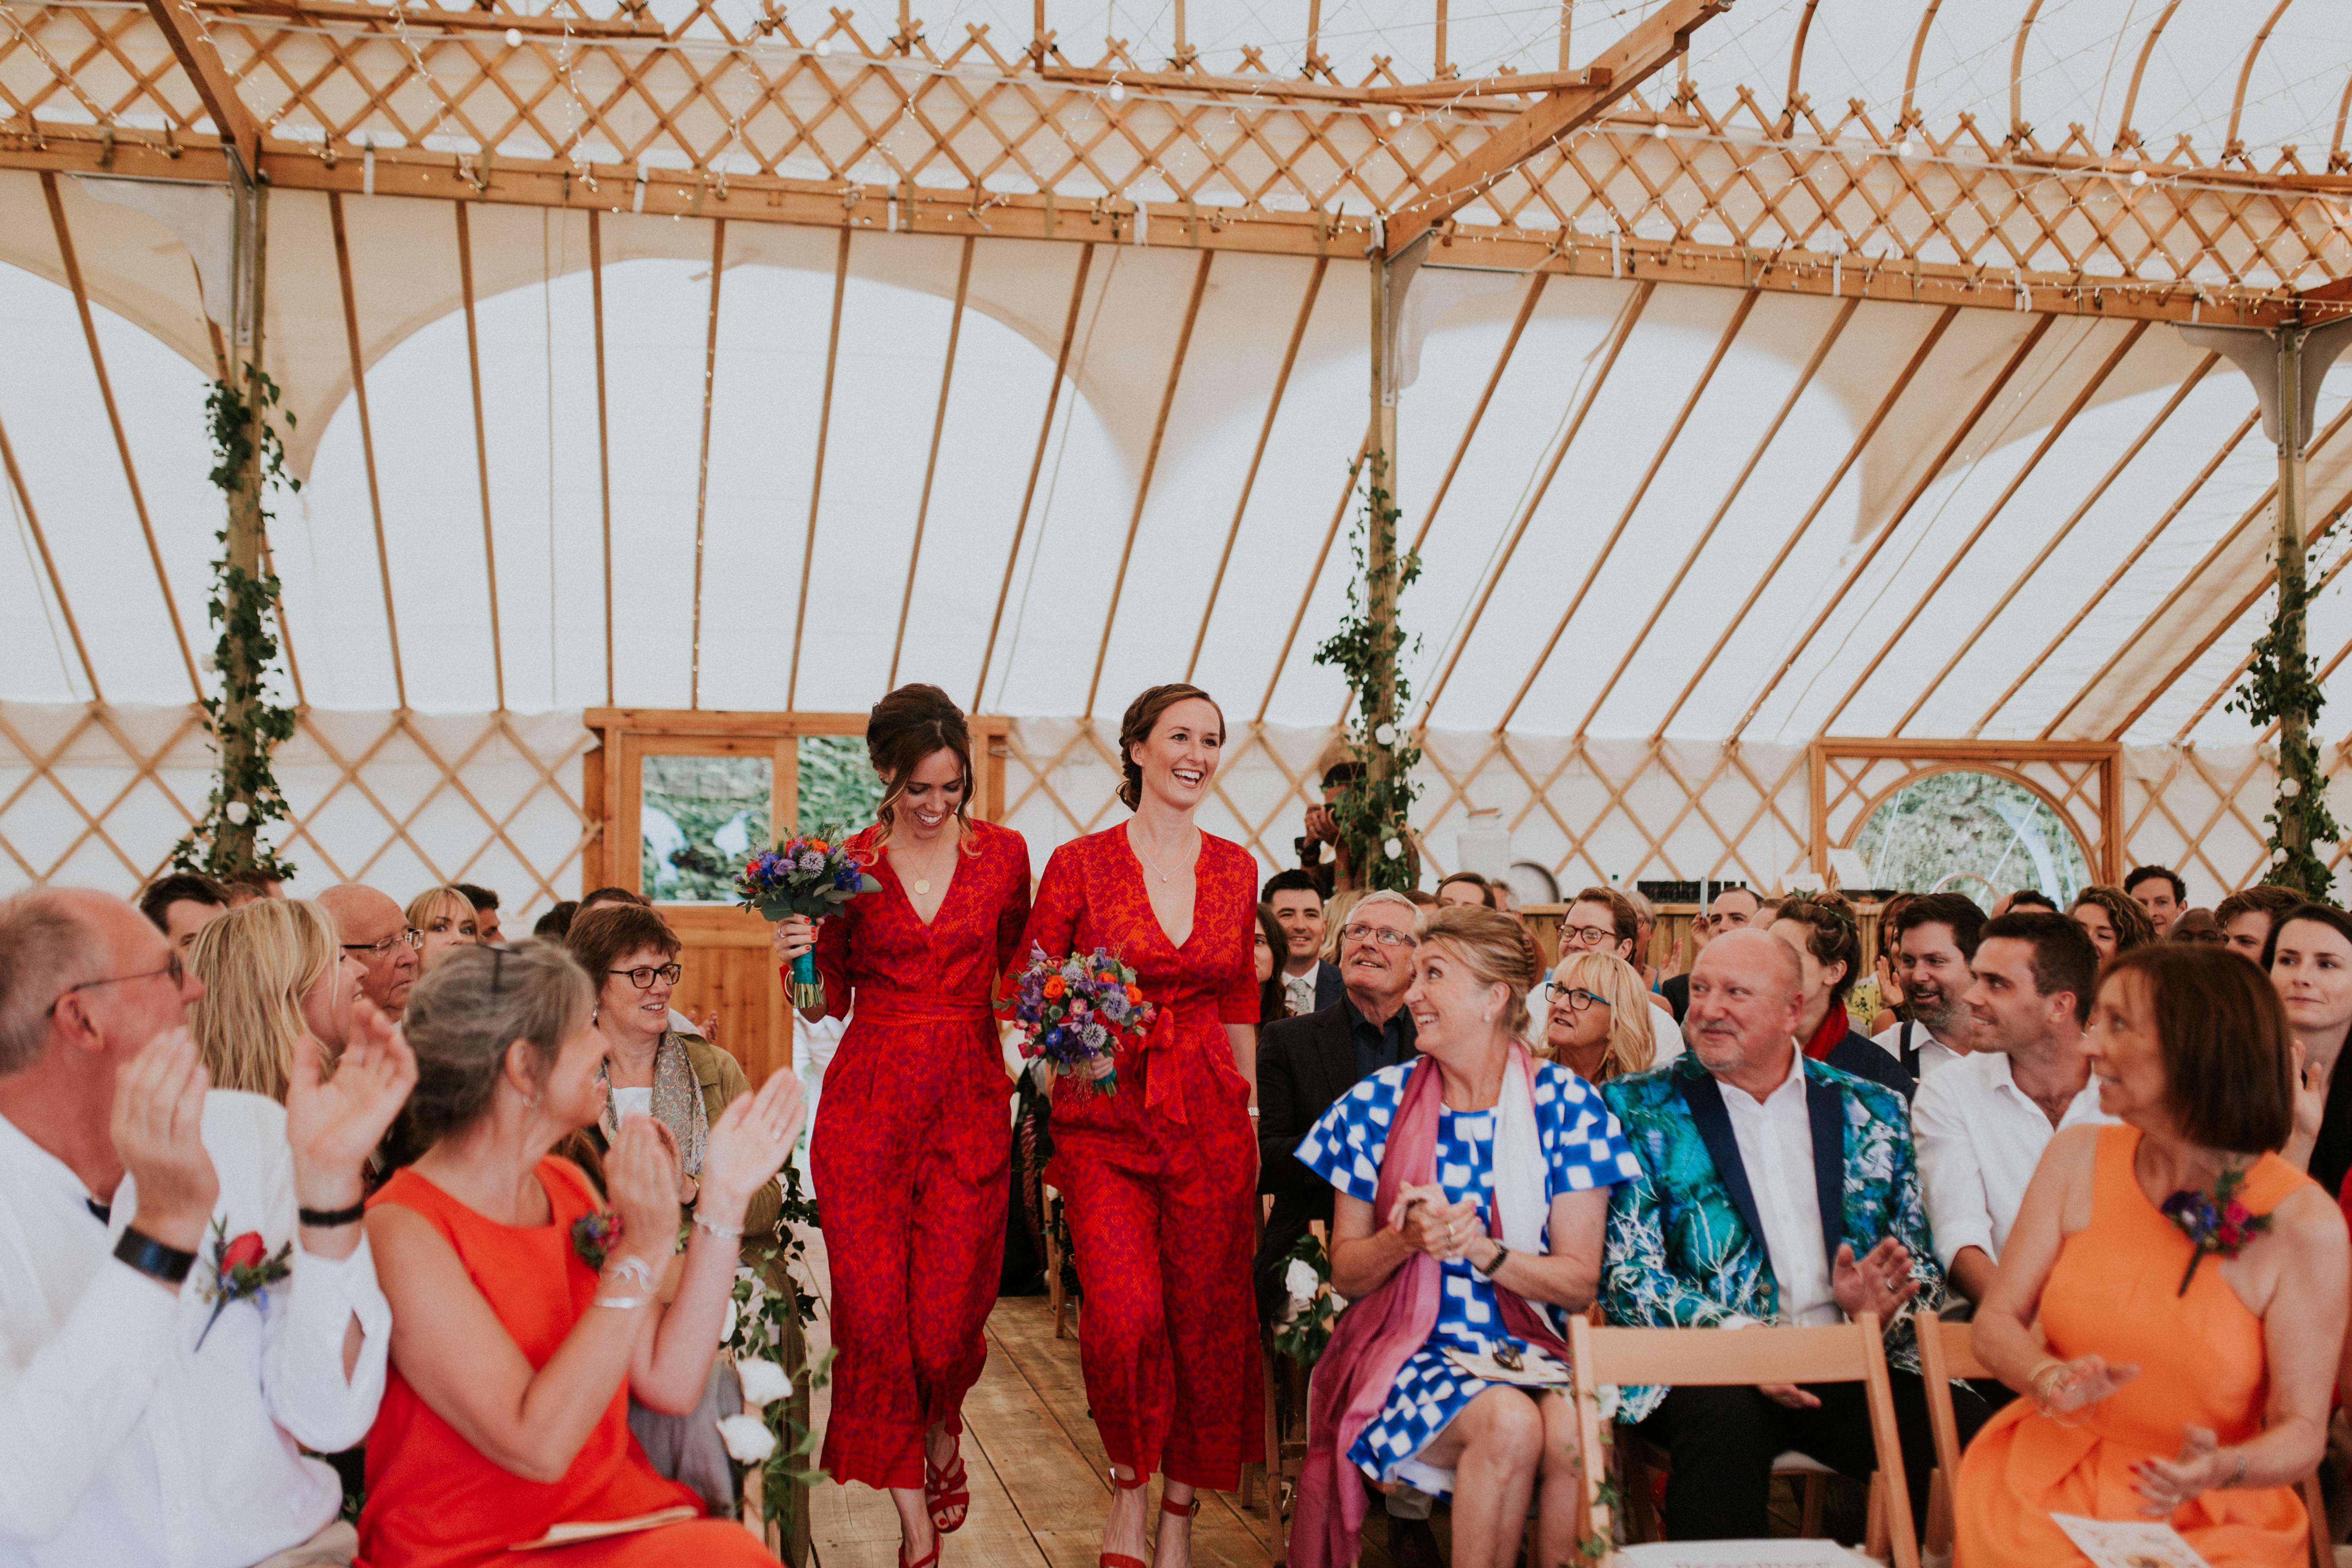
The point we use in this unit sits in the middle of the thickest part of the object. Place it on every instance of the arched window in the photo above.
(1974, 832)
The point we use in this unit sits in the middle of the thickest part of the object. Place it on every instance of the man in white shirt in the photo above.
(147, 1418)
(1936, 935)
(1308, 985)
(1981, 1126)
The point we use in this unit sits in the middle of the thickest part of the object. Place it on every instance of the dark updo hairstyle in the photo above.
(463, 1015)
(1832, 934)
(2228, 1063)
(903, 729)
(1142, 717)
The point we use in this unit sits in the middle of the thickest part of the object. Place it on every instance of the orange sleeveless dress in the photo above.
(434, 1500)
(2115, 1292)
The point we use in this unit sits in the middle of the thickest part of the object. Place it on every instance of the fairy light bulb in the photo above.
(1396, 118)
(2139, 176)
(1658, 131)
(514, 38)
(825, 48)
(1903, 148)
(1118, 92)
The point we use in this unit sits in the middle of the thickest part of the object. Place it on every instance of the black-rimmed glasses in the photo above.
(1575, 998)
(645, 974)
(412, 937)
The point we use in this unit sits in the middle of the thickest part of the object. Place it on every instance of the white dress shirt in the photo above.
(1776, 1144)
(1979, 1137)
(1934, 1054)
(122, 1443)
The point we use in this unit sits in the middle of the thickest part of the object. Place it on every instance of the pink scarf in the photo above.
(1375, 1336)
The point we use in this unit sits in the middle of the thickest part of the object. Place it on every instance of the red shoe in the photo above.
(1120, 1559)
(947, 1491)
(930, 1561)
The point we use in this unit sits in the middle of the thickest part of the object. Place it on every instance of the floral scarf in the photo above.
(676, 1103)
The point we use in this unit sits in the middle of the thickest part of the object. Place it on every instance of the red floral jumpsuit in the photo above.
(1158, 1177)
(912, 1141)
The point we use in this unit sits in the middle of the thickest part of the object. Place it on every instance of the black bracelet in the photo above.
(152, 1258)
(328, 1219)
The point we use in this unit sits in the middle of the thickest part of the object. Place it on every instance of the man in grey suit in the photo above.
(1305, 1063)
(1308, 984)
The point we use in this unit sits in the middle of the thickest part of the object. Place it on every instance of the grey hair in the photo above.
(46, 947)
(462, 1017)
(1387, 896)
(1642, 905)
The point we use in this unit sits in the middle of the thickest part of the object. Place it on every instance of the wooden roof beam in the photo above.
(192, 46)
(1636, 57)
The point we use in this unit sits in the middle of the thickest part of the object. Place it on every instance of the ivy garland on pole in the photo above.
(1372, 812)
(249, 458)
(2280, 686)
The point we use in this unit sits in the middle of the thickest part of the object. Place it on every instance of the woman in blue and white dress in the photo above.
(1472, 1196)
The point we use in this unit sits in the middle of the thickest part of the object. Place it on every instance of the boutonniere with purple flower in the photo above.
(2217, 1223)
(243, 1269)
(593, 1236)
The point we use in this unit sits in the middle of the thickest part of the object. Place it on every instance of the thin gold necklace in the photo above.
(922, 883)
(1133, 844)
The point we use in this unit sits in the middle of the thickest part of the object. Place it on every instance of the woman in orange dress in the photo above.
(2182, 1381)
(912, 1132)
(513, 1355)
(1160, 1177)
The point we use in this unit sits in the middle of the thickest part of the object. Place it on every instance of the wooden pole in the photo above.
(232, 846)
(2294, 720)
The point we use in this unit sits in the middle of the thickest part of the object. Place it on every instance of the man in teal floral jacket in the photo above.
(1773, 1189)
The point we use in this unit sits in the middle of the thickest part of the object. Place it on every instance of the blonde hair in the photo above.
(432, 901)
(1494, 946)
(1336, 910)
(1632, 1036)
(257, 963)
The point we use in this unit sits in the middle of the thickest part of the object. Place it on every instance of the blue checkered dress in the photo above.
(1583, 1149)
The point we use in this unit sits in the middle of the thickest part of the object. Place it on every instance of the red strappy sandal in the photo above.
(946, 1492)
(1185, 1510)
(1120, 1559)
(930, 1561)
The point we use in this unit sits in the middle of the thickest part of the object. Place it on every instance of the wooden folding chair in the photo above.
(1703, 1358)
(1946, 1351)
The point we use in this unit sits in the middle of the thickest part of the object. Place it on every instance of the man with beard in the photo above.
(1981, 1124)
(1937, 936)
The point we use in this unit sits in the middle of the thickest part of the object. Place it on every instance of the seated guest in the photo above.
(1305, 1063)
(2113, 919)
(1266, 951)
(273, 977)
(371, 926)
(2198, 925)
(485, 913)
(2160, 891)
(1601, 1023)
(180, 904)
(1296, 904)
(681, 1080)
(600, 898)
(1934, 940)
(1820, 930)
(122, 1183)
(1467, 888)
(1981, 1124)
(1602, 919)
(2310, 960)
(1733, 910)
(556, 924)
(2174, 1374)
(1773, 1188)
(1473, 1191)
(609, 898)
(2024, 899)
(1646, 932)
(518, 1345)
(248, 886)
(444, 919)
(2247, 916)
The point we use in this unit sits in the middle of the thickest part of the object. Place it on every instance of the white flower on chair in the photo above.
(763, 1382)
(747, 1439)
(1301, 1283)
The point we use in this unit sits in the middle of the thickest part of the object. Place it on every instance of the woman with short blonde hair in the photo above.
(273, 972)
(445, 917)
(1600, 1025)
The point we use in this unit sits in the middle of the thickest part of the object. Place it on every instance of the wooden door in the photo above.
(756, 762)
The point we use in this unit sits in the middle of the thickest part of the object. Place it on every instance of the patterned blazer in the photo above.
(1686, 1247)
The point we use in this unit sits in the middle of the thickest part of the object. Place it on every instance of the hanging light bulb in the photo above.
(1903, 148)
(2139, 176)
(1659, 131)
(514, 38)
(1118, 92)
(825, 48)
(1396, 118)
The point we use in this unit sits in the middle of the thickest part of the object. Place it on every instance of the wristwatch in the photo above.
(1494, 1267)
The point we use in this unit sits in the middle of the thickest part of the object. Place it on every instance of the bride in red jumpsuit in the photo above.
(1160, 1177)
(913, 1131)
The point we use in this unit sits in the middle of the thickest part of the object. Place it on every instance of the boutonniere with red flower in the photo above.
(2217, 1223)
(243, 1269)
(593, 1236)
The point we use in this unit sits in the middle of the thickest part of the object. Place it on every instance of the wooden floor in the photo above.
(1039, 1491)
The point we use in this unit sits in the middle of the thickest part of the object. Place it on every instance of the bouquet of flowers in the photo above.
(1076, 1009)
(808, 874)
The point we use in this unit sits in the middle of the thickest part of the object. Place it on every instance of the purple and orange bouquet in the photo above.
(1075, 1010)
(807, 874)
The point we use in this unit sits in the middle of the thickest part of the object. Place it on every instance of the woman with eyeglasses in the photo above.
(1602, 1026)
(444, 920)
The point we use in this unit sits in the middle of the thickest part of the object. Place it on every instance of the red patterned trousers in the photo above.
(912, 1141)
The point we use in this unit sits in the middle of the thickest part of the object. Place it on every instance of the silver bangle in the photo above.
(620, 1302)
(719, 1231)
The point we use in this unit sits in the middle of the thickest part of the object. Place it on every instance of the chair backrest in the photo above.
(1946, 1351)
(1842, 1352)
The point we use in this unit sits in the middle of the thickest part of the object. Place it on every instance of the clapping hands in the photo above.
(334, 1123)
(158, 1129)
(1880, 1283)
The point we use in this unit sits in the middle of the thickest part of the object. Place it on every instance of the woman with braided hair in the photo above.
(1827, 938)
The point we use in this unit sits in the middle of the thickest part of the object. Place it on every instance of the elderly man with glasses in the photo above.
(1305, 1063)
(374, 929)
(187, 1301)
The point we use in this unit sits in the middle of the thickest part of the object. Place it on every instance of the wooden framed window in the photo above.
(677, 798)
